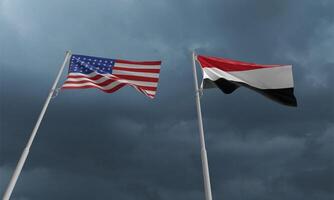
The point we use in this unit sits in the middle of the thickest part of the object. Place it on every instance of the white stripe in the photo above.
(147, 92)
(137, 66)
(107, 87)
(139, 83)
(102, 79)
(90, 75)
(150, 92)
(264, 78)
(143, 74)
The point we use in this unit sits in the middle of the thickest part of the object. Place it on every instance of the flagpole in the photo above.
(25, 152)
(205, 165)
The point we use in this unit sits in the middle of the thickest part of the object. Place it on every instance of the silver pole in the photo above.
(205, 166)
(25, 152)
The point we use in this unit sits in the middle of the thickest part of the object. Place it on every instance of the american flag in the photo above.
(109, 75)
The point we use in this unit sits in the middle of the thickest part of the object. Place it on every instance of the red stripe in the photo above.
(115, 88)
(150, 96)
(148, 88)
(104, 83)
(118, 77)
(229, 65)
(138, 62)
(96, 77)
(137, 70)
(109, 81)
(144, 92)
(110, 90)
(137, 78)
(78, 87)
(91, 86)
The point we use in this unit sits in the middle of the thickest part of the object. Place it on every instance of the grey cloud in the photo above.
(93, 145)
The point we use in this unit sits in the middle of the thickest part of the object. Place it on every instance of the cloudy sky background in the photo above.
(93, 145)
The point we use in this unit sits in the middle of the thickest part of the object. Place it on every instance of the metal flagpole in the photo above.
(25, 152)
(205, 166)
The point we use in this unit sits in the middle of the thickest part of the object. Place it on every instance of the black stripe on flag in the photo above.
(283, 96)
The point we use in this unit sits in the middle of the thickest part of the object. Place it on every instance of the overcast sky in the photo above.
(93, 145)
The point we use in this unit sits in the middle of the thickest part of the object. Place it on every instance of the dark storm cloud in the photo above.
(97, 146)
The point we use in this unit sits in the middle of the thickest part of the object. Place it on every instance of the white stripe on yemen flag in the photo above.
(109, 75)
(273, 81)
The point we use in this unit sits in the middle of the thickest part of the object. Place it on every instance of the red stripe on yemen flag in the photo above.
(229, 65)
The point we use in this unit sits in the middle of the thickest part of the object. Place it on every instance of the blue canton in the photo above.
(88, 64)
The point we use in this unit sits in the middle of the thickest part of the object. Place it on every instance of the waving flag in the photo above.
(109, 75)
(273, 81)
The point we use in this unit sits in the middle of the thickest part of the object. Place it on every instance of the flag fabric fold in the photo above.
(272, 81)
(110, 75)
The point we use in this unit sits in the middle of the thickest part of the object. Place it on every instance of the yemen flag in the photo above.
(272, 81)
